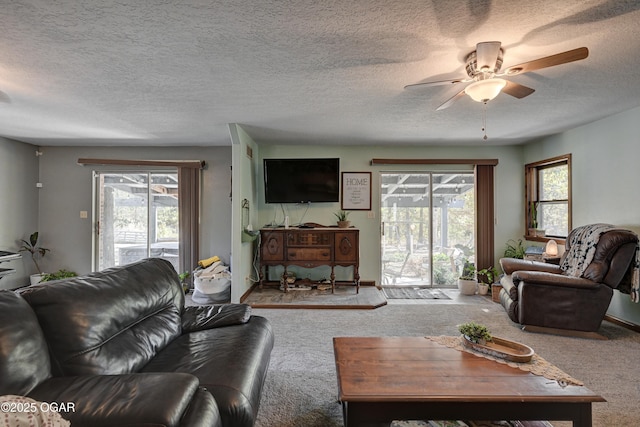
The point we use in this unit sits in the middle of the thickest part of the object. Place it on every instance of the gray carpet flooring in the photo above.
(301, 390)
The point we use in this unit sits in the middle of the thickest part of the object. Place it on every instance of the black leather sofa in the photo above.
(123, 348)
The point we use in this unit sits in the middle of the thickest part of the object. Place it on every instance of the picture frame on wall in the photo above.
(356, 191)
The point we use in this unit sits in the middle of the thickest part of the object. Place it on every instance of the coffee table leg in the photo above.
(353, 417)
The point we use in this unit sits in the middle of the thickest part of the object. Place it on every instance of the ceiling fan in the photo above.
(483, 69)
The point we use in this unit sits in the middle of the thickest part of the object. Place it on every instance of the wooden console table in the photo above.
(310, 247)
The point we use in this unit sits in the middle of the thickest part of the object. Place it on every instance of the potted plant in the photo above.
(342, 219)
(467, 281)
(486, 277)
(60, 274)
(514, 249)
(475, 333)
(184, 281)
(533, 220)
(36, 252)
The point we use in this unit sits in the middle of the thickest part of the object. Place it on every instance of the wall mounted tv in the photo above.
(302, 180)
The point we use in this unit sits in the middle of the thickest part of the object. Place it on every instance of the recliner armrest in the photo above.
(510, 265)
(128, 399)
(197, 318)
(551, 279)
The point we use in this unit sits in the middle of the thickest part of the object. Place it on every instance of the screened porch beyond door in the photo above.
(427, 222)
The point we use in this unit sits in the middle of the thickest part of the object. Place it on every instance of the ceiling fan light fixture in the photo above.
(485, 90)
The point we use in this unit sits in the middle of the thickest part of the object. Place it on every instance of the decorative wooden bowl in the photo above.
(502, 348)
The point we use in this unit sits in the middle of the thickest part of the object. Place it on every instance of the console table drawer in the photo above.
(309, 254)
(309, 238)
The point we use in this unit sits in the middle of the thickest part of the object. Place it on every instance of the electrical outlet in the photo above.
(371, 214)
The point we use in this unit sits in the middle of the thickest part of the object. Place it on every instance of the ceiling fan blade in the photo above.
(449, 102)
(517, 90)
(435, 83)
(487, 55)
(549, 61)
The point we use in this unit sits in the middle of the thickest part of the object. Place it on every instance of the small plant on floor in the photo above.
(184, 281)
(468, 271)
(475, 332)
(488, 275)
(32, 247)
(60, 274)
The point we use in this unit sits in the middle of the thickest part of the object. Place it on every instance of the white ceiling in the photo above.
(166, 72)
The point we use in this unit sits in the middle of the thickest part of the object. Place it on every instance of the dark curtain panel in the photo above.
(485, 216)
(189, 205)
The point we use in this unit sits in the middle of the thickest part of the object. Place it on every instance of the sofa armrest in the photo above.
(551, 279)
(197, 318)
(509, 265)
(129, 399)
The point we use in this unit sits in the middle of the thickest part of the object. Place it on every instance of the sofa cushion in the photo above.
(24, 359)
(109, 322)
(231, 362)
(199, 317)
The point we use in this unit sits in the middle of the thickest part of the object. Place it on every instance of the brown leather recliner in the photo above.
(544, 298)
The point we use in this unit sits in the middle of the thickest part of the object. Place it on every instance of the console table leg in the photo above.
(333, 280)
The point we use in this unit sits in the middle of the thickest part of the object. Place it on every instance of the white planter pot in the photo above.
(483, 288)
(467, 287)
(35, 278)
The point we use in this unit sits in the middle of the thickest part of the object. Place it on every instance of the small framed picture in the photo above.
(356, 191)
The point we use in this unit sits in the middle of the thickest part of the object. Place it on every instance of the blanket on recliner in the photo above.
(582, 247)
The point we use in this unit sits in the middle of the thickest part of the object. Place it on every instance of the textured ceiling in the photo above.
(168, 72)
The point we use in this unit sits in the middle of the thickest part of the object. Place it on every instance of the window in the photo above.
(548, 198)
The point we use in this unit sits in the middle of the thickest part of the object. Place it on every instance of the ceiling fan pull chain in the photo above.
(484, 120)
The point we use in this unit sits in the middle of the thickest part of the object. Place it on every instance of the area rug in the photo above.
(344, 297)
(413, 292)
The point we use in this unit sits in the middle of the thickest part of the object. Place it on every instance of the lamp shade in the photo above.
(485, 90)
(551, 249)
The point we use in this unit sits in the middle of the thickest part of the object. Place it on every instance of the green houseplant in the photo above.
(475, 332)
(486, 277)
(533, 220)
(467, 281)
(342, 216)
(60, 274)
(514, 249)
(36, 252)
(184, 281)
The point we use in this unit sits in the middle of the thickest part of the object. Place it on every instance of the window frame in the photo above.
(532, 193)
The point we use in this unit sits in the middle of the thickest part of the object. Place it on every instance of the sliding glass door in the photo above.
(428, 223)
(136, 217)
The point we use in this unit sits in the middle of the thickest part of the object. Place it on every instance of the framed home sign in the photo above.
(356, 191)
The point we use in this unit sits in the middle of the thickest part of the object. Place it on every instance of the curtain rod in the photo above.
(490, 162)
(193, 164)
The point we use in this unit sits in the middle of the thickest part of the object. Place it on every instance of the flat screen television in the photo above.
(302, 180)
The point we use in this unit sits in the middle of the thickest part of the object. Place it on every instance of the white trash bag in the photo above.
(212, 285)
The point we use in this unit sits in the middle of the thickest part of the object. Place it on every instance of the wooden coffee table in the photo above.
(381, 379)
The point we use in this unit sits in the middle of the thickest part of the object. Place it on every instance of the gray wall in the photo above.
(605, 177)
(67, 190)
(18, 206)
(605, 171)
(509, 190)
